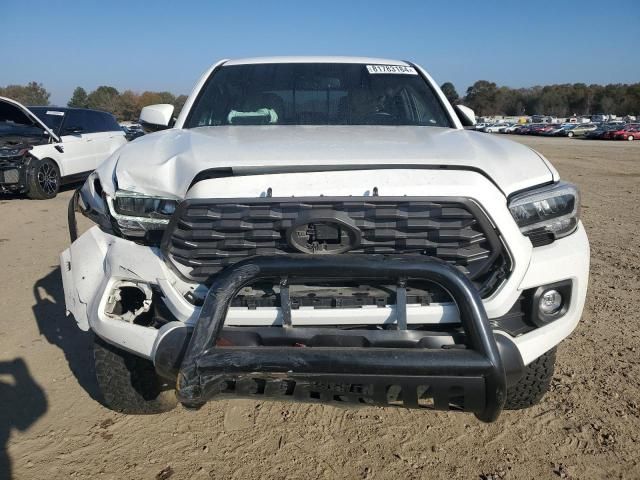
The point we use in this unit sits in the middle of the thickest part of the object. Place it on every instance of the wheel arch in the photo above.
(56, 162)
(48, 156)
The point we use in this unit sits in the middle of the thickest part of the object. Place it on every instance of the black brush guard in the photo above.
(471, 378)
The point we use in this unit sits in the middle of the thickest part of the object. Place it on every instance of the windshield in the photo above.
(317, 94)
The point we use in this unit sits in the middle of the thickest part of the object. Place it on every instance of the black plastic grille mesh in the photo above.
(207, 235)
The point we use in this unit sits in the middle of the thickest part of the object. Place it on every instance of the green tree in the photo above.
(481, 97)
(129, 105)
(450, 92)
(153, 98)
(166, 97)
(105, 98)
(30, 94)
(79, 99)
(178, 103)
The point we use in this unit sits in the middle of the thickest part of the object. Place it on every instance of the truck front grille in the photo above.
(206, 235)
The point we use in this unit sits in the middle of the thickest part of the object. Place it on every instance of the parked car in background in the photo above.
(523, 129)
(538, 129)
(557, 129)
(547, 129)
(511, 128)
(504, 126)
(598, 133)
(42, 148)
(617, 123)
(629, 132)
(599, 118)
(577, 130)
(494, 128)
(132, 131)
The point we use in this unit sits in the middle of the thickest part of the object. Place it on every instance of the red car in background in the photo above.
(537, 129)
(547, 129)
(628, 132)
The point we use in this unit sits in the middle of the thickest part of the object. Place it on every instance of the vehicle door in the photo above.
(76, 150)
(107, 135)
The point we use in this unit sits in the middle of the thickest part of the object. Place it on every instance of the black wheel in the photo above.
(44, 179)
(130, 384)
(534, 383)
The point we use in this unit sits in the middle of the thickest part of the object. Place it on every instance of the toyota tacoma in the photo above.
(324, 229)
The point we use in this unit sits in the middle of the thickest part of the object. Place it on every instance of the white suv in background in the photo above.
(42, 148)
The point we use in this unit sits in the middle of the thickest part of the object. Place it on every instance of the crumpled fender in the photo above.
(82, 268)
(95, 259)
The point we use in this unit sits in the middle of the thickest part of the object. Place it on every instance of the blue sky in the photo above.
(165, 45)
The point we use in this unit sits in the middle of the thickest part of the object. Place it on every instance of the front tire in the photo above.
(130, 384)
(630, 138)
(44, 180)
(534, 383)
(570, 134)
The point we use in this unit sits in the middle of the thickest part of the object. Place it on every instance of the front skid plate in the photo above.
(439, 393)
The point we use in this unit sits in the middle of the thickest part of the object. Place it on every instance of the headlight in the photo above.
(136, 215)
(547, 213)
(13, 152)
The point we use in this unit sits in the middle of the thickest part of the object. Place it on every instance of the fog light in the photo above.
(550, 302)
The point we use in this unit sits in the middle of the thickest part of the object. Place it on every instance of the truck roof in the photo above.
(315, 59)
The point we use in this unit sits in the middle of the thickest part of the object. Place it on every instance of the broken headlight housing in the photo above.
(547, 213)
(140, 216)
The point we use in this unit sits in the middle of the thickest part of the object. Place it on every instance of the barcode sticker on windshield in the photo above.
(53, 112)
(396, 69)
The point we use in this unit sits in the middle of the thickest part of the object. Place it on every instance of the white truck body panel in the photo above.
(312, 161)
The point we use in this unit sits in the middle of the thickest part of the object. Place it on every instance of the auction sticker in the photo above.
(395, 69)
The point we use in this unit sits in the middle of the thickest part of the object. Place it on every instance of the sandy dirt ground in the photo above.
(588, 427)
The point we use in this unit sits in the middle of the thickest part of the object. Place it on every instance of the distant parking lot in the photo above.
(613, 130)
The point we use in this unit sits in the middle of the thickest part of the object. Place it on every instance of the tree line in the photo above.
(124, 105)
(563, 100)
(485, 97)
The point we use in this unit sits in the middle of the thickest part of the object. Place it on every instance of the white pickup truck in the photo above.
(323, 229)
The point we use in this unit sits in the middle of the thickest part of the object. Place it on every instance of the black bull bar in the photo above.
(471, 378)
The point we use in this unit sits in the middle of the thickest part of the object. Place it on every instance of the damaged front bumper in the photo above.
(13, 173)
(362, 367)
(418, 355)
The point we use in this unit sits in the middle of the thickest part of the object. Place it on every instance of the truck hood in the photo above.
(166, 163)
(15, 112)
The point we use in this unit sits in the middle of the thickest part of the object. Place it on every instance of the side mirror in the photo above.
(466, 115)
(157, 117)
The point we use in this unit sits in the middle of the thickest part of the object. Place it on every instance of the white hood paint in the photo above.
(165, 163)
